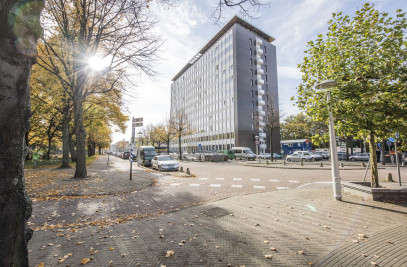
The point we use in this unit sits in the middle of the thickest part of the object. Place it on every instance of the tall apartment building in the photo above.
(229, 82)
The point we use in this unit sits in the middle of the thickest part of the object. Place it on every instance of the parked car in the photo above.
(244, 153)
(164, 163)
(324, 155)
(147, 153)
(230, 153)
(300, 156)
(315, 156)
(277, 156)
(342, 156)
(125, 155)
(360, 157)
(264, 156)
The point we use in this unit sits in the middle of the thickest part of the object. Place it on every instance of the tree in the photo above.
(366, 56)
(181, 127)
(19, 30)
(271, 123)
(166, 133)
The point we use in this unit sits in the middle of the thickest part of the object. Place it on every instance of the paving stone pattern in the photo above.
(305, 226)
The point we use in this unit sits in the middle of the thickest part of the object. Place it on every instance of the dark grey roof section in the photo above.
(225, 28)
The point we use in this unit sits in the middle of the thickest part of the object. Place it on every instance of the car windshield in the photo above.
(249, 151)
(150, 152)
(164, 158)
(307, 154)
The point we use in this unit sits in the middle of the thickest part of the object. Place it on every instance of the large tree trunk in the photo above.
(100, 150)
(72, 148)
(65, 140)
(80, 171)
(49, 146)
(19, 30)
(89, 150)
(373, 161)
(271, 147)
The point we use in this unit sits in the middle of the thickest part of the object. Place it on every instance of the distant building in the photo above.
(231, 79)
(289, 146)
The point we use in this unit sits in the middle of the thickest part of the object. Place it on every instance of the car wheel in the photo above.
(289, 160)
(353, 159)
(159, 168)
(303, 160)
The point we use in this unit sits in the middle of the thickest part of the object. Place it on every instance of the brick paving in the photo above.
(305, 226)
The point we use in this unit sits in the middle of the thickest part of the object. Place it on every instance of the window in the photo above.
(251, 62)
(265, 67)
(265, 77)
(252, 115)
(251, 72)
(252, 104)
(251, 83)
(251, 52)
(265, 49)
(267, 87)
(265, 59)
(251, 42)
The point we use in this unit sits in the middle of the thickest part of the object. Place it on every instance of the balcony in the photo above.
(262, 124)
(260, 81)
(259, 52)
(262, 113)
(262, 135)
(258, 41)
(260, 92)
(259, 61)
(261, 103)
(260, 71)
(258, 76)
(263, 146)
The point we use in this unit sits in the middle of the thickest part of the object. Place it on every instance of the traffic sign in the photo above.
(388, 143)
(137, 122)
(257, 142)
(391, 139)
(200, 146)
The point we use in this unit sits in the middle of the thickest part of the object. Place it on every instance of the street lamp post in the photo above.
(336, 179)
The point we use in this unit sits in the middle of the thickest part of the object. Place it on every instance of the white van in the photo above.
(244, 153)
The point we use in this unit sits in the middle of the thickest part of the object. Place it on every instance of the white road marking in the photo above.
(274, 180)
(203, 178)
(292, 181)
(259, 187)
(255, 180)
(322, 182)
(220, 179)
(174, 184)
(282, 188)
(237, 179)
(194, 185)
(215, 185)
(237, 186)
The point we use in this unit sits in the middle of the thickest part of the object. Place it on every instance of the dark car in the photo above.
(125, 155)
(341, 156)
(325, 155)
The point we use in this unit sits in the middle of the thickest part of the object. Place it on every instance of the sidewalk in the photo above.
(102, 179)
(299, 227)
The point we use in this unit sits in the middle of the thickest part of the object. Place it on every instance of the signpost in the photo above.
(257, 146)
(135, 123)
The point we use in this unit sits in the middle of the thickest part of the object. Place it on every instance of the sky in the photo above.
(187, 27)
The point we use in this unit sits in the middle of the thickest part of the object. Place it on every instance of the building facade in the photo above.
(226, 89)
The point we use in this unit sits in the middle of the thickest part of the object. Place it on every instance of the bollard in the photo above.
(342, 164)
(267, 162)
(322, 165)
(188, 171)
(181, 169)
(389, 177)
(363, 164)
(284, 162)
(302, 163)
(275, 160)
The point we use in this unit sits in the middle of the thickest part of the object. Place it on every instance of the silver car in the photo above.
(360, 156)
(164, 163)
(300, 156)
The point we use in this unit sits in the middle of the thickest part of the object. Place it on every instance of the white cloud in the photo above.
(290, 72)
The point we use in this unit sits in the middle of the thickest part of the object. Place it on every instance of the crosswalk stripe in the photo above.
(271, 180)
(219, 178)
(259, 187)
(255, 180)
(237, 179)
(215, 185)
(282, 188)
(203, 178)
(174, 184)
(237, 186)
(292, 181)
(323, 182)
(194, 185)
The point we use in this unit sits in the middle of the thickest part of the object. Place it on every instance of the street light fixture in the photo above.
(336, 179)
